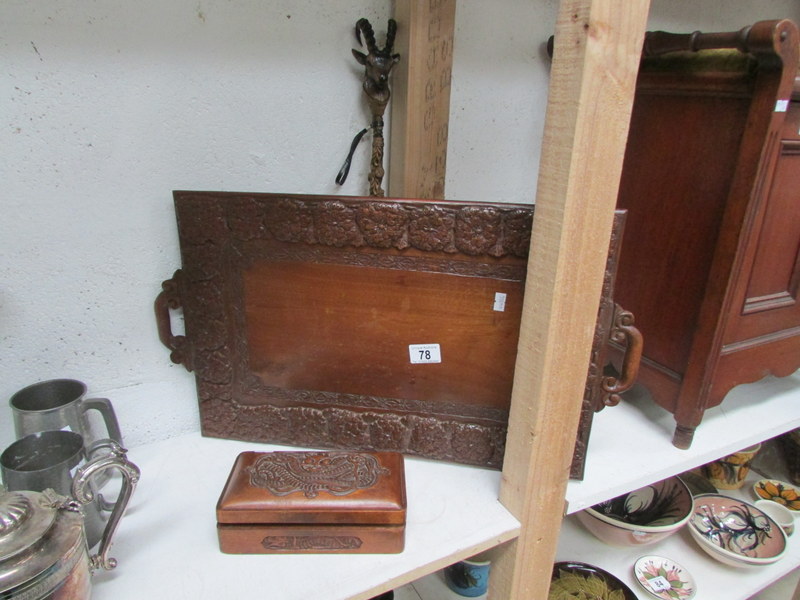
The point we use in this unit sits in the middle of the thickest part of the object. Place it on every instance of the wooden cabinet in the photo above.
(709, 265)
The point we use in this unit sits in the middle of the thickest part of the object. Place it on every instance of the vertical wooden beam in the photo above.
(421, 98)
(597, 49)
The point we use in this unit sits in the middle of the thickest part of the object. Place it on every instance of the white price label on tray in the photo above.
(499, 301)
(421, 354)
(659, 584)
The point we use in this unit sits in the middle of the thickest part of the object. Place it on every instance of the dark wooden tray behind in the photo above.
(299, 312)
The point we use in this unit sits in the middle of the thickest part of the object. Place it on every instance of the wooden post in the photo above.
(421, 98)
(597, 49)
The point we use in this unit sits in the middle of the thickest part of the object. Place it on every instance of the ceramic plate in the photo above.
(781, 492)
(569, 573)
(664, 578)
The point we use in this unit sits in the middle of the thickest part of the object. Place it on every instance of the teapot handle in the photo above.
(116, 458)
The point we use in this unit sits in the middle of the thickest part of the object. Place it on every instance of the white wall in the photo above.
(107, 107)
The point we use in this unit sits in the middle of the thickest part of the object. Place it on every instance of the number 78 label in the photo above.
(424, 353)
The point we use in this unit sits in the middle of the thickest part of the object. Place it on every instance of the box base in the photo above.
(311, 539)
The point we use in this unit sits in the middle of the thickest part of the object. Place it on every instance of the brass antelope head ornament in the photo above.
(378, 62)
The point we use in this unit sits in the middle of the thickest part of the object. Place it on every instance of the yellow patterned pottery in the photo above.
(781, 492)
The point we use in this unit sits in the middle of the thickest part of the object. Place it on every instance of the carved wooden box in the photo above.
(313, 503)
(358, 323)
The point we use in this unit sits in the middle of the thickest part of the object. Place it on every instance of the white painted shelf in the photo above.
(167, 545)
(630, 446)
(714, 579)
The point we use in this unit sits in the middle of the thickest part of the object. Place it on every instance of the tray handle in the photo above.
(170, 298)
(623, 331)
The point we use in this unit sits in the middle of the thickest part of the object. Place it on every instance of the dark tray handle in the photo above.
(170, 298)
(623, 331)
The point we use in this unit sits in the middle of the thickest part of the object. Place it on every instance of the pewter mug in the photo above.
(61, 404)
(58, 460)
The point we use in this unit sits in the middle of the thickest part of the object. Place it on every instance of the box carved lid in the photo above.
(315, 487)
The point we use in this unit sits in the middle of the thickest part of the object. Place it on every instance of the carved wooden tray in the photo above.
(357, 323)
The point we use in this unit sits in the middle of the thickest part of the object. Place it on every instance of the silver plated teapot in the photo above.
(43, 549)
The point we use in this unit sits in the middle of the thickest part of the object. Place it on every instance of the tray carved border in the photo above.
(223, 232)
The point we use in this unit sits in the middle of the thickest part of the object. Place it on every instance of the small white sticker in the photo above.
(781, 106)
(499, 301)
(424, 353)
(659, 584)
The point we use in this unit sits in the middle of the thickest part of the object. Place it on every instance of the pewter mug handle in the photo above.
(81, 490)
(106, 410)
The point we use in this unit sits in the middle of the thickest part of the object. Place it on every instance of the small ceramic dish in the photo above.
(640, 517)
(735, 532)
(664, 578)
(574, 577)
(783, 493)
(779, 513)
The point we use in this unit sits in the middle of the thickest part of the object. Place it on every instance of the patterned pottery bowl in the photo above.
(581, 580)
(783, 493)
(735, 532)
(644, 516)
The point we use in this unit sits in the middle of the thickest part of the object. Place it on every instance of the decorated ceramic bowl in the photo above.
(783, 493)
(644, 516)
(735, 532)
(575, 578)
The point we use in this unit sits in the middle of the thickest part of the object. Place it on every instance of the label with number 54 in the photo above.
(424, 353)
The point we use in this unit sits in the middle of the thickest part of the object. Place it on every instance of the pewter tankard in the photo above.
(61, 404)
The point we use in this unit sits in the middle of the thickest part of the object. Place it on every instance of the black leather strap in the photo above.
(342, 176)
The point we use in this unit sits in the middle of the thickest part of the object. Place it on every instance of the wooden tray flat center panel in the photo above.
(351, 329)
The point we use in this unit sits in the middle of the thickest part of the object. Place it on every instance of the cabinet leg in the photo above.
(682, 438)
